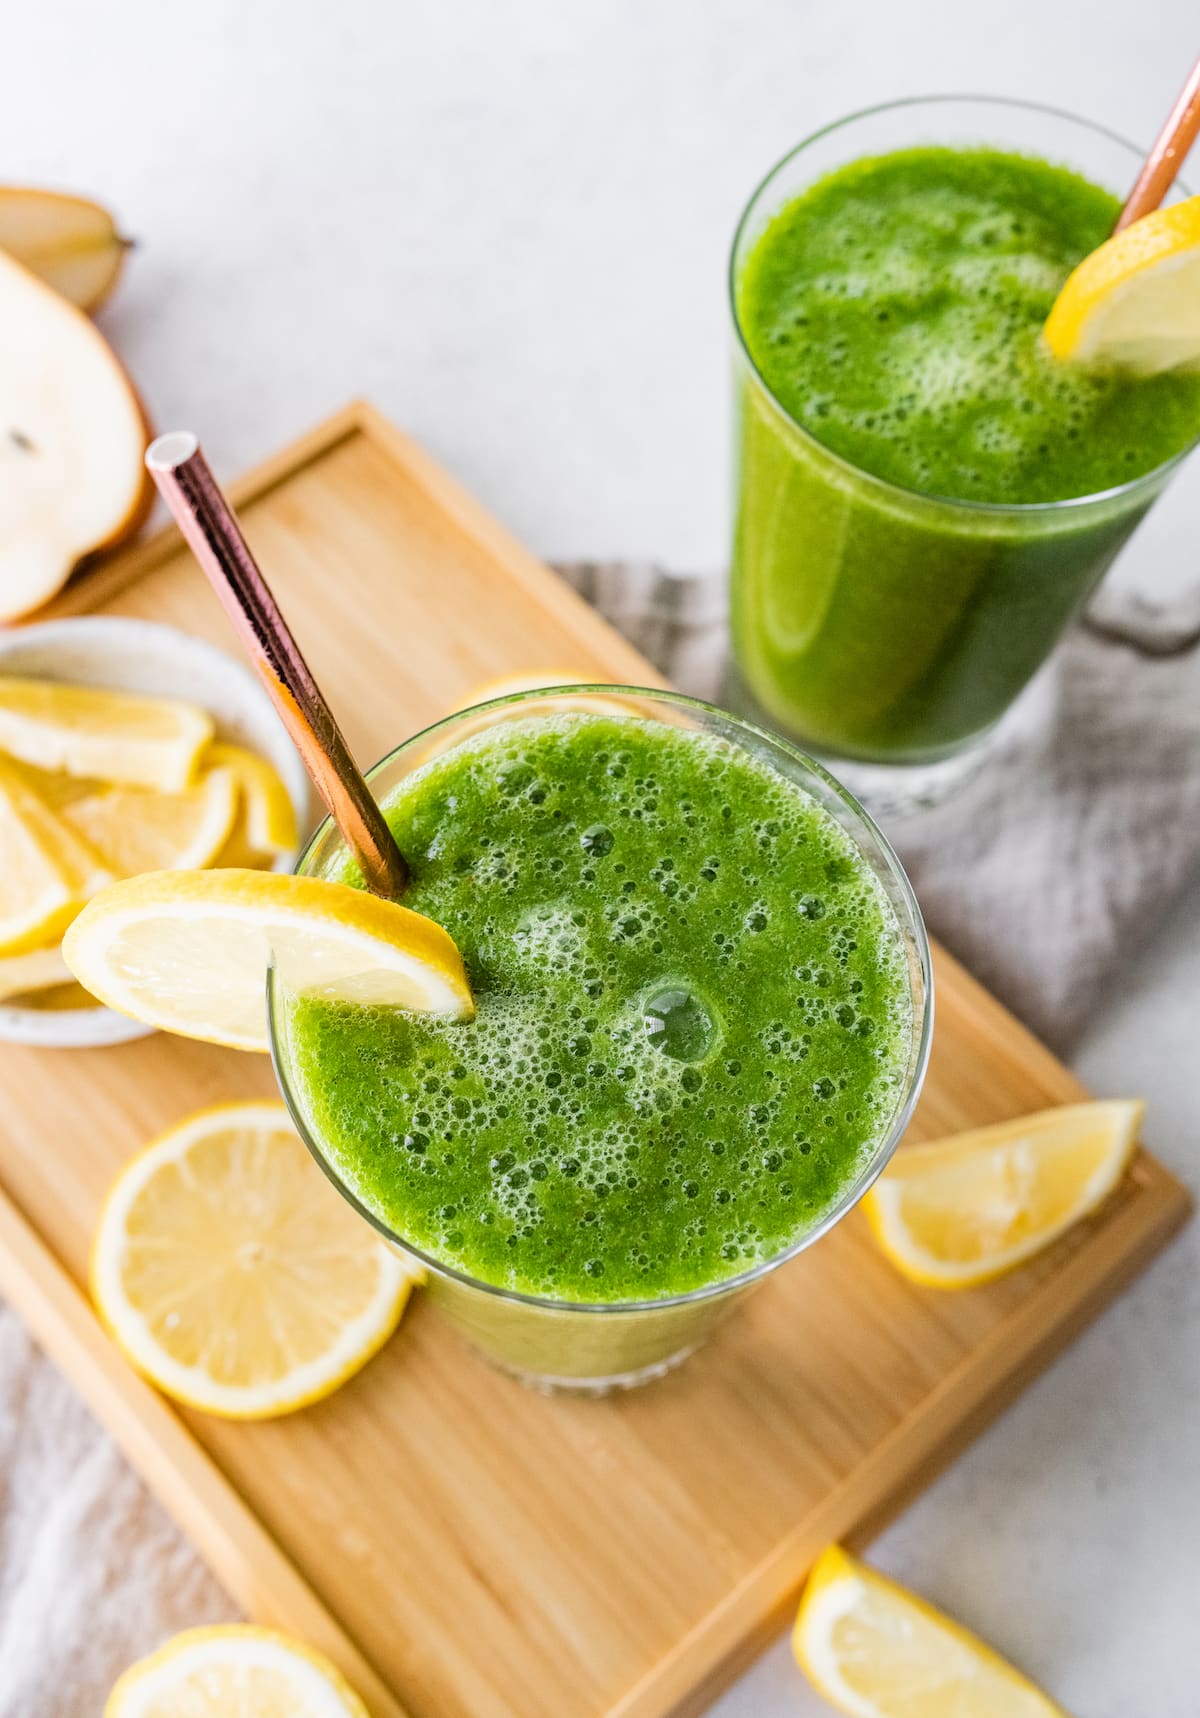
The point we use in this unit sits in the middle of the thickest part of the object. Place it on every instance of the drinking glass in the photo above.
(596, 1346)
(890, 631)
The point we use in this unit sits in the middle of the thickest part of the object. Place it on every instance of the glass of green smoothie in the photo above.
(925, 498)
(703, 1017)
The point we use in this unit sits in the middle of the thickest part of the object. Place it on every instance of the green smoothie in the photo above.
(694, 1016)
(898, 411)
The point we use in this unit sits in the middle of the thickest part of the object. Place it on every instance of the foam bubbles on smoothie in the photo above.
(678, 1061)
(896, 307)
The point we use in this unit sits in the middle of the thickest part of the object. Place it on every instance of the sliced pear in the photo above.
(72, 436)
(69, 242)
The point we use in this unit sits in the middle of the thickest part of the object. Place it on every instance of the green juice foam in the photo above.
(895, 310)
(693, 1022)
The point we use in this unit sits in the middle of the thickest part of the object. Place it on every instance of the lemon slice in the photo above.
(90, 731)
(267, 817)
(38, 969)
(232, 1273)
(508, 685)
(1134, 304)
(46, 871)
(138, 829)
(875, 1650)
(962, 1210)
(233, 1671)
(189, 951)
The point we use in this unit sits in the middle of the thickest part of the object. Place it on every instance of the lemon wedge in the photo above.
(233, 1275)
(46, 871)
(140, 829)
(1134, 304)
(531, 680)
(37, 969)
(267, 820)
(233, 1671)
(508, 685)
(875, 1650)
(91, 731)
(962, 1210)
(54, 787)
(189, 951)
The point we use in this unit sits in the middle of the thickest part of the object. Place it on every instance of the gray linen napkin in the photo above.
(1048, 867)
(1055, 862)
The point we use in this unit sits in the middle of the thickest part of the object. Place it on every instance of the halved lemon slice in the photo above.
(267, 816)
(189, 951)
(46, 871)
(875, 1650)
(233, 1275)
(962, 1210)
(233, 1671)
(1134, 304)
(138, 829)
(93, 731)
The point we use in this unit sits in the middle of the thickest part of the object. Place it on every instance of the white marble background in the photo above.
(507, 223)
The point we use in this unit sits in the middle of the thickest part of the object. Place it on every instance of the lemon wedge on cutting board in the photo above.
(962, 1210)
(233, 1275)
(233, 1671)
(189, 951)
(875, 1650)
(1134, 304)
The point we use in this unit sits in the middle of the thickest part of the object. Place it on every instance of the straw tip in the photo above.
(168, 452)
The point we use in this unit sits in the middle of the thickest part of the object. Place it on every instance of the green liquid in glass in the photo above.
(894, 312)
(693, 1025)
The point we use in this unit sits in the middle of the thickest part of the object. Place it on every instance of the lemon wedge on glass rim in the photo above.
(875, 1650)
(233, 1275)
(1134, 303)
(960, 1211)
(189, 951)
(233, 1671)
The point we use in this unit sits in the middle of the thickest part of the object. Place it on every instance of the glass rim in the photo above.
(921, 1032)
(988, 509)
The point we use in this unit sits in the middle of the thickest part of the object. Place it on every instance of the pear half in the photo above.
(71, 243)
(72, 436)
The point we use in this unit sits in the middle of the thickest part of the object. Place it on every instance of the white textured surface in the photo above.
(508, 224)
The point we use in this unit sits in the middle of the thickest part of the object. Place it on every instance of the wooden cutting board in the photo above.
(464, 1548)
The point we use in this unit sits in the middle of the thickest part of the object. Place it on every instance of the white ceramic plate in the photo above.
(143, 656)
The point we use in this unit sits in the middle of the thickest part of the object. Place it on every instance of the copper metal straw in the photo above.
(207, 521)
(1167, 156)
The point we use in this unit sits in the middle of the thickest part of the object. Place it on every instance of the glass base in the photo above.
(895, 790)
(546, 1384)
(578, 1350)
